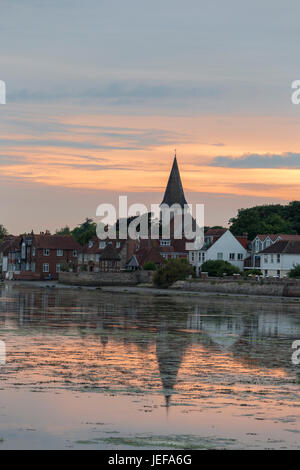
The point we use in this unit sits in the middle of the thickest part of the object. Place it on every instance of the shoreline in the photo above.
(142, 290)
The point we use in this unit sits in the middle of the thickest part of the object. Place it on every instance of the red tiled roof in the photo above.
(56, 242)
(215, 232)
(289, 237)
(243, 241)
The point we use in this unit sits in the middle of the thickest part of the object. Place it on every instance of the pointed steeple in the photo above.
(174, 192)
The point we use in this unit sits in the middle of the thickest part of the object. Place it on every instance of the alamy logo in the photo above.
(2, 92)
(154, 223)
(2, 353)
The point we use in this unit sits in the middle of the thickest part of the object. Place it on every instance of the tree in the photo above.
(216, 268)
(295, 272)
(149, 266)
(3, 232)
(274, 218)
(172, 271)
(85, 231)
(64, 231)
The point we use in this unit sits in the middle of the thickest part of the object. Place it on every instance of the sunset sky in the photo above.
(101, 92)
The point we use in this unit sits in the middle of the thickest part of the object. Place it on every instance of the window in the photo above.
(118, 244)
(272, 259)
(33, 267)
(240, 256)
(75, 253)
(165, 242)
(278, 273)
(193, 256)
(266, 259)
(266, 272)
(231, 255)
(220, 256)
(278, 258)
(102, 244)
(33, 251)
(60, 252)
(46, 252)
(58, 268)
(45, 268)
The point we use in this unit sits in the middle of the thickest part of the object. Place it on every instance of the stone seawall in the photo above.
(106, 279)
(281, 288)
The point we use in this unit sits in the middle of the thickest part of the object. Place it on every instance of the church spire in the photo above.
(174, 192)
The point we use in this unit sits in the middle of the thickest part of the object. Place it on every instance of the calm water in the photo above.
(91, 369)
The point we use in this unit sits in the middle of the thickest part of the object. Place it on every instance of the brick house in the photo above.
(43, 256)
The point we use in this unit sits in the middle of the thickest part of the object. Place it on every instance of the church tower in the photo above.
(174, 193)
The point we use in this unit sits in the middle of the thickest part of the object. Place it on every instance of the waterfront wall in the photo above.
(281, 288)
(131, 278)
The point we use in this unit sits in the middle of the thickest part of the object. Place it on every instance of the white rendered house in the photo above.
(226, 247)
(280, 258)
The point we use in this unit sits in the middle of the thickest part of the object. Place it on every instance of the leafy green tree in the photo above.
(3, 232)
(172, 271)
(85, 231)
(274, 218)
(149, 266)
(64, 231)
(295, 272)
(216, 268)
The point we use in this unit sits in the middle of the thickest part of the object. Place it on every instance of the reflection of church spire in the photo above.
(170, 349)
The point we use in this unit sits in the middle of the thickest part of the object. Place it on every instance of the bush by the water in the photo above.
(149, 266)
(172, 271)
(218, 268)
(295, 272)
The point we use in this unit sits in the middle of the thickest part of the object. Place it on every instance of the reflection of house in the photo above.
(109, 260)
(221, 244)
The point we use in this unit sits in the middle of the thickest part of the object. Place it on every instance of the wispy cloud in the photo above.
(252, 160)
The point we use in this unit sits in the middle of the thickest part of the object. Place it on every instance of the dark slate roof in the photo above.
(110, 253)
(174, 193)
(284, 246)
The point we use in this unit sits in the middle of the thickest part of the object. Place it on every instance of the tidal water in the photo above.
(91, 369)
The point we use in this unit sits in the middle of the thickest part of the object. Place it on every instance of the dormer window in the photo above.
(165, 242)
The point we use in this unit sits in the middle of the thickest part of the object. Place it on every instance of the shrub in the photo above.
(149, 266)
(295, 272)
(172, 271)
(218, 267)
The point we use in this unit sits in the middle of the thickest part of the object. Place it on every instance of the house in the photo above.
(43, 256)
(109, 260)
(89, 255)
(263, 241)
(221, 244)
(279, 258)
(7, 247)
